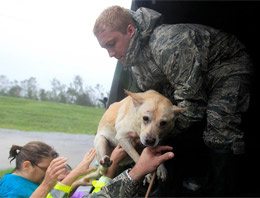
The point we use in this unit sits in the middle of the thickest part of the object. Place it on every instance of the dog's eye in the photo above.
(163, 123)
(146, 118)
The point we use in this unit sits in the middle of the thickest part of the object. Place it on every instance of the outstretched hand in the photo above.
(83, 167)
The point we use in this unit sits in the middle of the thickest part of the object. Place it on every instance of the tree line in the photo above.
(74, 93)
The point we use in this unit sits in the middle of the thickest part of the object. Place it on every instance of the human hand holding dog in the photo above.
(135, 139)
(149, 160)
(117, 155)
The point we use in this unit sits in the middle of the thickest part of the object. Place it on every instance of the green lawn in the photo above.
(32, 115)
(2, 172)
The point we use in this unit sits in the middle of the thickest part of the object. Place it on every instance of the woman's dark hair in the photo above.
(34, 152)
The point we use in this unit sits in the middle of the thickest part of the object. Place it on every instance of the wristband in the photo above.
(62, 187)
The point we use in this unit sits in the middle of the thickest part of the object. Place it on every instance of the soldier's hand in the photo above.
(149, 160)
(135, 139)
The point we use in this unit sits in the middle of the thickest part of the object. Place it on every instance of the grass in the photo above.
(2, 172)
(32, 115)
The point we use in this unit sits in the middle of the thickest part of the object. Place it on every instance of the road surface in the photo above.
(72, 146)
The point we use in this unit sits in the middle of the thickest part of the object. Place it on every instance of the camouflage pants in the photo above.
(228, 100)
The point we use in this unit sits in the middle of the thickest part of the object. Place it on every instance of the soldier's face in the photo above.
(116, 43)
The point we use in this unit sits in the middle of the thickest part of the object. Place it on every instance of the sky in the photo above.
(49, 39)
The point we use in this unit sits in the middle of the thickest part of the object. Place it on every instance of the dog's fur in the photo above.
(149, 114)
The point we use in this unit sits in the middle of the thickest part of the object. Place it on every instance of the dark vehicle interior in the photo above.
(240, 18)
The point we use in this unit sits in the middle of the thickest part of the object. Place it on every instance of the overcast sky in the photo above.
(49, 39)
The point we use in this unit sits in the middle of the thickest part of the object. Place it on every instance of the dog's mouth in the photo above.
(149, 141)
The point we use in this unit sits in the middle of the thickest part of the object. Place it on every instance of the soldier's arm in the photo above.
(183, 63)
(121, 186)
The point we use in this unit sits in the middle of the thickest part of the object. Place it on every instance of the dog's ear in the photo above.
(136, 98)
(177, 110)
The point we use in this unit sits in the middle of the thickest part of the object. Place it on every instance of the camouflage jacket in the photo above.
(120, 187)
(181, 61)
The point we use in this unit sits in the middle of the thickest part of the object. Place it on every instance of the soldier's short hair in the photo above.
(115, 18)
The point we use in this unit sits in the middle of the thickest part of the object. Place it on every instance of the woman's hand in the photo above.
(56, 167)
(83, 167)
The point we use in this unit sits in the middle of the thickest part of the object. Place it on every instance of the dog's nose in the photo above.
(150, 141)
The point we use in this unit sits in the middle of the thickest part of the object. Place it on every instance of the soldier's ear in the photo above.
(130, 30)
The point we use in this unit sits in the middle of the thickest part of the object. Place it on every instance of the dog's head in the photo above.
(155, 115)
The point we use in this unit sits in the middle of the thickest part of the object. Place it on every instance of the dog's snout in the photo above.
(150, 141)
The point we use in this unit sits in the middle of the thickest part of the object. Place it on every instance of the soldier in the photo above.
(195, 66)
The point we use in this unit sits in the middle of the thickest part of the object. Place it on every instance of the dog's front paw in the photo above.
(147, 179)
(161, 172)
(106, 161)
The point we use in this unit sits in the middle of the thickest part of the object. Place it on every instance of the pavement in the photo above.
(71, 146)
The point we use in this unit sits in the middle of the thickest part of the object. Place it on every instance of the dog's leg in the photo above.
(126, 144)
(102, 146)
(162, 172)
(105, 163)
(103, 151)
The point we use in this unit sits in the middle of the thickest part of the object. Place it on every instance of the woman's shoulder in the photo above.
(6, 183)
(15, 180)
(11, 177)
(12, 185)
(7, 177)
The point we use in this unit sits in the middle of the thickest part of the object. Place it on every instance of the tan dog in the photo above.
(149, 114)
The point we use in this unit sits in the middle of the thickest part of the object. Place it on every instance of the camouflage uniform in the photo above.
(195, 66)
(121, 186)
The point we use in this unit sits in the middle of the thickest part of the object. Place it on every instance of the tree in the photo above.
(43, 95)
(77, 93)
(15, 91)
(4, 85)
(30, 88)
(84, 100)
(58, 93)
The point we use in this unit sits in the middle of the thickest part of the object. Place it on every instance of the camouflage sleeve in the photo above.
(182, 59)
(121, 186)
